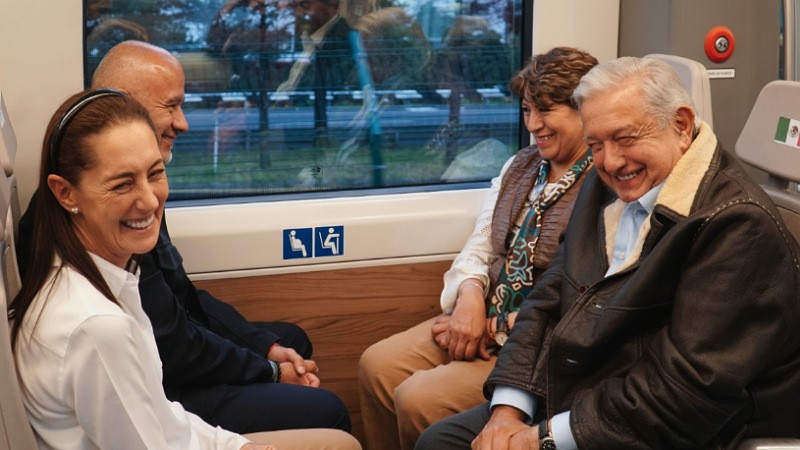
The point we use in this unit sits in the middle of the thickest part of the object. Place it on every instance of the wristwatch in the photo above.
(276, 371)
(501, 335)
(546, 441)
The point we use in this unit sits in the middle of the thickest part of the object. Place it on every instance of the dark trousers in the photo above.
(455, 432)
(266, 407)
(257, 407)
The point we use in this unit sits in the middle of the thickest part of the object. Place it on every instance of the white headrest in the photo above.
(770, 139)
(695, 77)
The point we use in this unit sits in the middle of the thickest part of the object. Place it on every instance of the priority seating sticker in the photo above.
(325, 241)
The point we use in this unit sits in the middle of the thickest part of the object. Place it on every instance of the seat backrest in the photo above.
(15, 210)
(16, 430)
(770, 141)
(8, 261)
(8, 151)
(8, 140)
(695, 77)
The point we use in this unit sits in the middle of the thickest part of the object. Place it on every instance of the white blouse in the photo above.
(478, 255)
(91, 374)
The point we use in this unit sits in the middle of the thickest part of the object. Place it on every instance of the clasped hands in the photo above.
(466, 333)
(294, 369)
(507, 430)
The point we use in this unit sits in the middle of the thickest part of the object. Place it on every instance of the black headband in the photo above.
(69, 114)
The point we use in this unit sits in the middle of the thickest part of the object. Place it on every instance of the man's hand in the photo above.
(283, 354)
(527, 438)
(309, 378)
(498, 434)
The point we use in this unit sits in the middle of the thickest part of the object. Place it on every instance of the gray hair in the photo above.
(662, 91)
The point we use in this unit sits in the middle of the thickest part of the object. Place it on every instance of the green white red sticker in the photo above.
(788, 132)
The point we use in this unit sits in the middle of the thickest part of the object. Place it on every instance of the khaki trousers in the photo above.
(406, 383)
(306, 439)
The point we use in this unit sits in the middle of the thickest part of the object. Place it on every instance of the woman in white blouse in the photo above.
(85, 351)
(437, 368)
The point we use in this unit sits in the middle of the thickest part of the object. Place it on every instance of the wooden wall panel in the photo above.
(343, 312)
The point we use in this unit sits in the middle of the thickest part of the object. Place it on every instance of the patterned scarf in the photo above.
(516, 278)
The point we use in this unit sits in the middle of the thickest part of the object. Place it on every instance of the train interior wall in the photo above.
(344, 311)
(346, 308)
(680, 28)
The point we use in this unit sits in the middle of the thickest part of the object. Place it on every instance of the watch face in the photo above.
(547, 444)
(501, 338)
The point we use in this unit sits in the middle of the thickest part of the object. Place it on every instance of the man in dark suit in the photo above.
(239, 375)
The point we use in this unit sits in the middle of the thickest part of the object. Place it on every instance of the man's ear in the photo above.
(684, 126)
(63, 191)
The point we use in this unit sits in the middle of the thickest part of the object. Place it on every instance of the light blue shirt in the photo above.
(633, 217)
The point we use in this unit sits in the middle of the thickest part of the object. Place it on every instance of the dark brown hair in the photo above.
(53, 234)
(549, 78)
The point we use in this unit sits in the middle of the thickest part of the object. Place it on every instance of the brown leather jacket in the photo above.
(518, 181)
(695, 345)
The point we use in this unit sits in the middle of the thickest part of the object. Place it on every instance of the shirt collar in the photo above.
(648, 200)
(115, 277)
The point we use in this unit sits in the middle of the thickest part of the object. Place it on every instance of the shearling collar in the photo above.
(678, 192)
(684, 181)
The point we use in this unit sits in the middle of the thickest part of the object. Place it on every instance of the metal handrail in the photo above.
(789, 40)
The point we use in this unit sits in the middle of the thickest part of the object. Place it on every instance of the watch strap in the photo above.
(276, 371)
(543, 431)
(501, 334)
(546, 440)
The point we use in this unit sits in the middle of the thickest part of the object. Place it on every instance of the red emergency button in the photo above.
(719, 44)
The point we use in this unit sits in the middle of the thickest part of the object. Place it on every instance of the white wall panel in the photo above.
(40, 66)
(247, 239)
(591, 25)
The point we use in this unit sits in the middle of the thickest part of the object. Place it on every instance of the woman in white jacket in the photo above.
(84, 348)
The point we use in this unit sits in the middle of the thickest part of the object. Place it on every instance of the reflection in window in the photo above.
(305, 95)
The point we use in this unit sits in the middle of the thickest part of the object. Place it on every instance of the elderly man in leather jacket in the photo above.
(668, 317)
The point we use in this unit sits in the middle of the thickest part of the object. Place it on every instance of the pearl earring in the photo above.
(74, 210)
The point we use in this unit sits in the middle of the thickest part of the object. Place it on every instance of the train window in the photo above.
(286, 96)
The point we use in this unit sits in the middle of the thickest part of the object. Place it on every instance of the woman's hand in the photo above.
(467, 325)
(441, 331)
(499, 433)
(290, 376)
